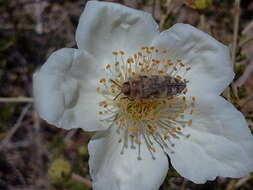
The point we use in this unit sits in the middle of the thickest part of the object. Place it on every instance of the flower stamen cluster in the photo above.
(145, 121)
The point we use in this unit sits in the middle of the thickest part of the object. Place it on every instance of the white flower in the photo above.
(203, 135)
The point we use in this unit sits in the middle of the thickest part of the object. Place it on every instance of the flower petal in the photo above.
(112, 170)
(105, 27)
(220, 144)
(64, 90)
(209, 59)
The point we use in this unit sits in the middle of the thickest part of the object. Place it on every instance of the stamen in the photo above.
(138, 142)
(146, 122)
(150, 148)
(132, 142)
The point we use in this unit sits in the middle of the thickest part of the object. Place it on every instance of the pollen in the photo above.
(108, 66)
(121, 52)
(149, 123)
(103, 80)
(188, 68)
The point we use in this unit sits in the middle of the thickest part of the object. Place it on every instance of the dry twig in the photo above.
(248, 28)
(16, 100)
(82, 180)
(242, 181)
(7, 138)
(183, 185)
(245, 41)
(247, 73)
(67, 139)
(244, 102)
(236, 29)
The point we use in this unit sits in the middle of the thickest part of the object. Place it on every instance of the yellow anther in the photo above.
(138, 142)
(157, 61)
(113, 86)
(174, 68)
(178, 77)
(179, 129)
(98, 89)
(174, 129)
(135, 56)
(108, 66)
(102, 103)
(115, 53)
(194, 98)
(188, 68)
(152, 149)
(145, 60)
(130, 60)
(181, 64)
(170, 63)
(103, 80)
(166, 132)
(152, 47)
(149, 52)
(129, 70)
(140, 54)
(122, 52)
(100, 113)
(189, 123)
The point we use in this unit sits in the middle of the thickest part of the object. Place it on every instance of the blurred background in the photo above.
(38, 156)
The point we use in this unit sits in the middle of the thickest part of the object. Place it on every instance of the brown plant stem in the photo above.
(236, 29)
(82, 180)
(16, 100)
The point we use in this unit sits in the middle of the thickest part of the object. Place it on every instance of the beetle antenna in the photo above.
(117, 96)
(114, 82)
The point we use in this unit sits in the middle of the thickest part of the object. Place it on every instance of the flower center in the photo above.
(138, 110)
(146, 99)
